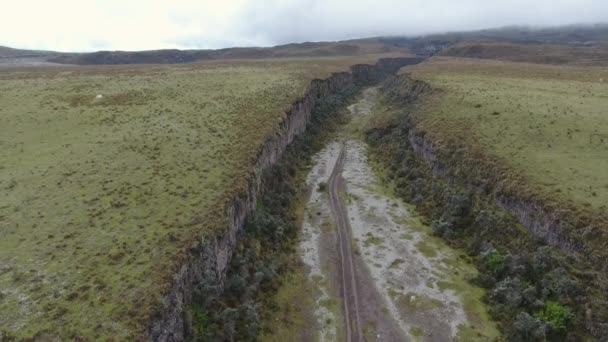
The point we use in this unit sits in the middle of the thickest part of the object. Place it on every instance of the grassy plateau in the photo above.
(107, 175)
(547, 123)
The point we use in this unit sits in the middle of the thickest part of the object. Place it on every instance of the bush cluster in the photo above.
(255, 269)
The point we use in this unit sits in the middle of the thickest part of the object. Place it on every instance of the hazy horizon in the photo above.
(70, 25)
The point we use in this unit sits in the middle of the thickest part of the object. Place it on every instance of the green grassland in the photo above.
(101, 197)
(549, 124)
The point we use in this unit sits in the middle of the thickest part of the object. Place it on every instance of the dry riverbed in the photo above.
(393, 280)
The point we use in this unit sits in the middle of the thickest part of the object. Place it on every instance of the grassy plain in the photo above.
(548, 123)
(101, 197)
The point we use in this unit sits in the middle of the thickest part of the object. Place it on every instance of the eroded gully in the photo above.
(379, 274)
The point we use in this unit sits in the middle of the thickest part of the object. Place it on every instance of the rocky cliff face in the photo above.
(549, 223)
(210, 258)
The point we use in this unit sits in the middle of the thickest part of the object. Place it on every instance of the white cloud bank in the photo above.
(85, 25)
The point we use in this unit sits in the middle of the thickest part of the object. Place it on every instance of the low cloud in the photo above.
(84, 25)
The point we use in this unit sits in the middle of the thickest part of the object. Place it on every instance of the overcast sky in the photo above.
(85, 25)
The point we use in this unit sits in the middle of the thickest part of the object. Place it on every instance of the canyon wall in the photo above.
(555, 225)
(209, 258)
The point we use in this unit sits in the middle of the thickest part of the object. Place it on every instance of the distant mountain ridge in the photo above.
(476, 44)
(174, 56)
(7, 52)
(322, 49)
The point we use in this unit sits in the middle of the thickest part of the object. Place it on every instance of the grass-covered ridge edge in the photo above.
(541, 286)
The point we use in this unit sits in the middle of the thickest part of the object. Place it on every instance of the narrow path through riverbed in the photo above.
(379, 273)
(350, 296)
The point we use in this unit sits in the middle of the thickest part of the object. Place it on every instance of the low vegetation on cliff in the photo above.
(109, 173)
(475, 132)
(548, 123)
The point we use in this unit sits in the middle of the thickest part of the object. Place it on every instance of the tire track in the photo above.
(350, 296)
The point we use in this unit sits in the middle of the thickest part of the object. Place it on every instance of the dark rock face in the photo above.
(210, 258)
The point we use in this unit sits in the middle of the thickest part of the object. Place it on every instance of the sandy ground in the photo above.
(317, 213)
(404, 275)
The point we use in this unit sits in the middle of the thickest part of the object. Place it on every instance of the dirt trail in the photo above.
(350, 295)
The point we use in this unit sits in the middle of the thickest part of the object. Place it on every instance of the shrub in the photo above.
(509, 293)
(440, 227)
(488, 223)
(199, 315)
(417, 187)
(458, 203)
(229, 318)
(494, 261)
(561, 285)
(543, 260)
(558, 316)
(236, 284)
(402, 186)
(528, 328)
